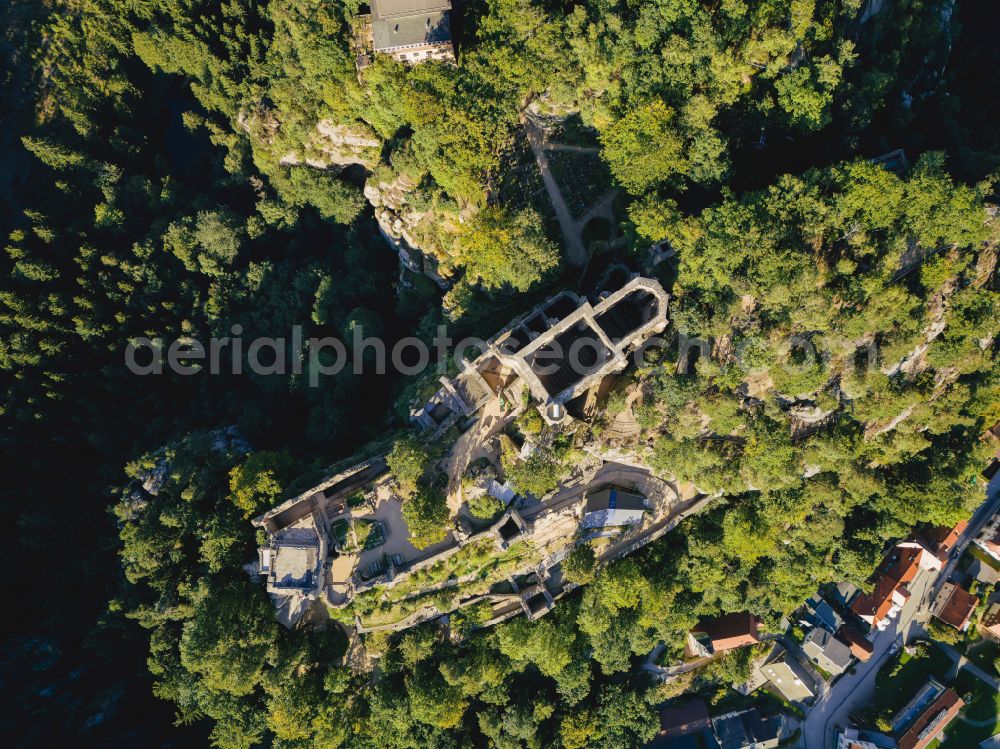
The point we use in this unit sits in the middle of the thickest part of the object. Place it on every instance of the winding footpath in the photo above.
(576, 253)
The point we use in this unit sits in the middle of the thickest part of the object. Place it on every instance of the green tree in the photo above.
(229, 637)
(408, 461)
(644, 148)
(547, 644)
(578, 566)
(433, 700)
(426, 515)
(258, 482)
(504, 248)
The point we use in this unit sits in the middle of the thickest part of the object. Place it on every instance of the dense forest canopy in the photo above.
(179, 168)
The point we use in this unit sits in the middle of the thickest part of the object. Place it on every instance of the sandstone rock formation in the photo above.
(335, 146)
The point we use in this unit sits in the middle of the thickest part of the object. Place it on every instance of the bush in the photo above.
(648, 416)
(407, 462)
(486, 507)
(538, 474)
(426, 516)
(943, 632)
(578, 566)
(530, 422)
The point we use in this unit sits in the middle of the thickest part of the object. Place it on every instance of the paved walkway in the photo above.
(576, 253)
(965, 663)
(573, 149)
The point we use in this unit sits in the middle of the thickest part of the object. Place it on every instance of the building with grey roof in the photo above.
(819, 613)
(613, 505)
(789, 679)
(826, 651)
(747, 730)
(412, 30)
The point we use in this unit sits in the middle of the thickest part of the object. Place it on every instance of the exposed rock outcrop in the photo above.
(334, 146)
(230, 439)
(423, 237)
(154, 479)
(420, 230)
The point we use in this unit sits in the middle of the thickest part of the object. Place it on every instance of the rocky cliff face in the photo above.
(423, 236)
(335, 146)
(421, 231)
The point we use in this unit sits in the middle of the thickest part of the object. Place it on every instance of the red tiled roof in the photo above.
(905, 567)
(897, 571)
(731, 631)
(932, 721)
(877, 603)
(960, 606)
(942, 538)
(684, 717)
(861, 648)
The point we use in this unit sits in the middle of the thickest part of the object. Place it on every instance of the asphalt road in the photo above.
(855, 690)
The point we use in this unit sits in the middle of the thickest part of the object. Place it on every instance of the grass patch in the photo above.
(344, 616)
(726, 700)
(731, 701)
(339, 532)
(397, 612)
(367, 534)
(982, 704)
(370, 533)
(363, 532)
(900, 678)
(984, 654)
(462, 562)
